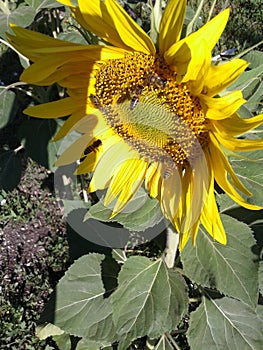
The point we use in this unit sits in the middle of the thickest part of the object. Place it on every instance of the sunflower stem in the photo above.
(191, 24)
(172, 241)
(211, 10)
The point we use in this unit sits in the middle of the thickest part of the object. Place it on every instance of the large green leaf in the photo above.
(40, 4)
(150, 300)
(260, 276)
(10, 169)
(225, 324)
(231, 269)
(36, 136)
(23, 16)
(141, 213)
(250, 173)
(246, 79)
(7, 99)
(80, 307)
(85, 344)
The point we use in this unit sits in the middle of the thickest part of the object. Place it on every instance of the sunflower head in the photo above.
(150, 114)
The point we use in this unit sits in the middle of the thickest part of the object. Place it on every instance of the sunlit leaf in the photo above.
(23, 16)
(141, 213)
(231, 269)
(85, 344)
(150, 299)
(46, 330)
(7, 99)
(80, 307)
(40, 4)
(254, 57)
(251, 175)
(225, 324)
(63, 341)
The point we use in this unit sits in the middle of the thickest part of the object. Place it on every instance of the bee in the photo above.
(155, 80)
(167, 173)
(134, 101)
(135, 93)
(95, 101)
(91, 148)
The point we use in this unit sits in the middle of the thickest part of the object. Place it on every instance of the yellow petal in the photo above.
(91, 159)
(195, 184)
(221, 173)
(240, 145)
(191, 61)
(108, 20)
(74, 151)
(235, 126)
(222, 107)
(171, 24)
(108, 163)
(210, 217)
(224, 161)
(221, 76)
(171, 191)
(127, 179)
(50, 110)
(153, 180)
(179, 54)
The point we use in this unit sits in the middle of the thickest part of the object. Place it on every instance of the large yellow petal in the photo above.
(221, 178)
(108, 163)
(235, 126)
(171, 192)
(221, 76)
(222, 107)
(108, 20)
(210, 217)
(171, 24)
(153, 180)
(127, 179)
(240, 145)
(179, 54)
(224, 161)
(50, 110)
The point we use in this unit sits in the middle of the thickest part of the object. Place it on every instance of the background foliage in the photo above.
(206, 301)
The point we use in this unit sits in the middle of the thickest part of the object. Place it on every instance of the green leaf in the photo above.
(63, 341)
(246, 81)
(10, 170)
(47, 330)
(251, 175)
(36, 135)
(141, 213)
(231, 269)
(7, 99)
(150, 299)
(41, 4)
(163, 344)
(260, 276)
(23, 16)
(254, 58)
(225, 324)
(85, 344)
(80, 307)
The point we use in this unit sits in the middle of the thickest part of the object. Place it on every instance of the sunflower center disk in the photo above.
(142, 102)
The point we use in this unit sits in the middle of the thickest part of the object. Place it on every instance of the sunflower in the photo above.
(149, 114)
